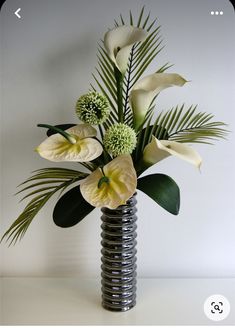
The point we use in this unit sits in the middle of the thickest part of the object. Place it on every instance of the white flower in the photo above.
(80, 147)
(113, 185)
(119, 41)
(157, 150)
(144, 91)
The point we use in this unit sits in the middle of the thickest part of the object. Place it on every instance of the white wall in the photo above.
(47, 60)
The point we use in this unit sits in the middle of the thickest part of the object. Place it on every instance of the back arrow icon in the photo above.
(17, 12)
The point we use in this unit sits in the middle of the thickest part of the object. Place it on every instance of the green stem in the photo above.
(57, 130)
(119, 85)
(105, 155)
(101, 132)
(129, 71)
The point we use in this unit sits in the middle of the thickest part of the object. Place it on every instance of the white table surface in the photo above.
(70, 301)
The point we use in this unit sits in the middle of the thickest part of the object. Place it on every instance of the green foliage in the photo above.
(47, 181)
(163, 190)
(181, 125)
(177, 124)
(188, 126)
(141, 56)
(63, 127)
(55, 129)
(71, 208)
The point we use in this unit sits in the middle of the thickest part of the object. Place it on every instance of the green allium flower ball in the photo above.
(120, 139)
(92, 108)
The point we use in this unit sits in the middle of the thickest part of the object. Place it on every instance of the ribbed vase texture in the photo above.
(119, 256)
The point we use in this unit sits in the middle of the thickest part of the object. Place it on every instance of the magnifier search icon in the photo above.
(216, 307)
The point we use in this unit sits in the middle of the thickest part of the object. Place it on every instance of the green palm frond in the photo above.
(144, 54)
(189, 126)
(181, 125)
(47, 182)
(106, 83)
(141, 56)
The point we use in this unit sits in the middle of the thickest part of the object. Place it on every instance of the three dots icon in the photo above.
(217, 13)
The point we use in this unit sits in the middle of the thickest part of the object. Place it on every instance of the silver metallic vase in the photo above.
(119, 256)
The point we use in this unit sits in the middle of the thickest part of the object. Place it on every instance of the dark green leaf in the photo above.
(163, 190)
(71, 208)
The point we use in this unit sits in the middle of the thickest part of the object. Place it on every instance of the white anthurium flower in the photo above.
(112, 185)
(158, 150)
(119, 41)
(144, 91)
(80, 147)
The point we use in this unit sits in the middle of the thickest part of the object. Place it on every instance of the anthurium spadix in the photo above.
(157, 150)
(144, 91)
(112, 185)
(77, 145)
(119, 41)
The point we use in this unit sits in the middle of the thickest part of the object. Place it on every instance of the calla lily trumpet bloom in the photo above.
(112, 185)
(119, 41)
(158, 150)
(79, 147)
(144, 91)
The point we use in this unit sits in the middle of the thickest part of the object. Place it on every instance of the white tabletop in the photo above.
(70, 301)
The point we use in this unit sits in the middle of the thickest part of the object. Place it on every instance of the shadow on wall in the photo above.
(75, 251)
(68, 69)
(49, 90)
(62, 74)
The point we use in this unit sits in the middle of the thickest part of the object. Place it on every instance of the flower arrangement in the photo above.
(120, 136)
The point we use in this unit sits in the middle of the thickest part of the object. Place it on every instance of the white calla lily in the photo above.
(144, 91)
(119, 41)
(80, 147)
(157, 150)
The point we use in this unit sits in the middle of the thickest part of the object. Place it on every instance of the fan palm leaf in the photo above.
(181, 125)
(141, 56)
(52, 180)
